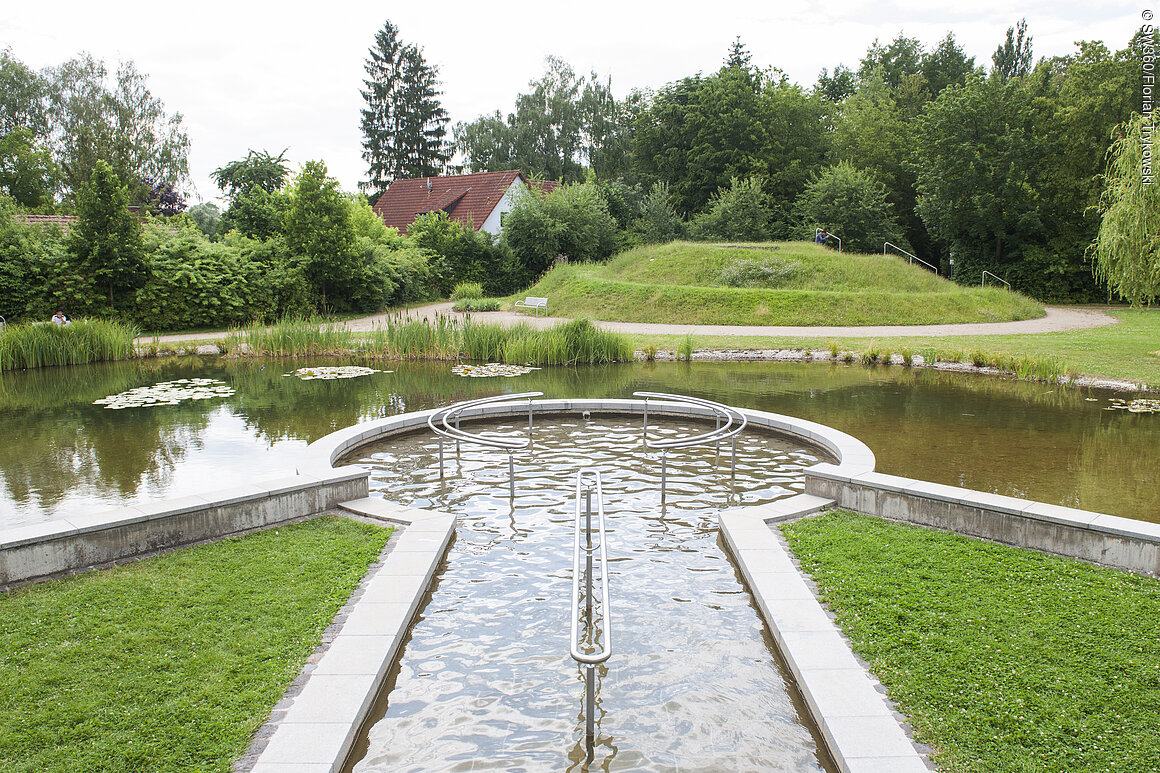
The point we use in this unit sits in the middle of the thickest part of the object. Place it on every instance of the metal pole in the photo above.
(588, 550)
(664, 472)
(456, 439)
(590, 720)
(645, 425)
(512, 475)
(733, 471)
(440, 458)
(529, 421)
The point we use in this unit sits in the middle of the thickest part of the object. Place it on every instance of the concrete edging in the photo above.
(41, 550)
(1098, 538)
(322, 722)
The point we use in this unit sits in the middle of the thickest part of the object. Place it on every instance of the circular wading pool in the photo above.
(486, 681)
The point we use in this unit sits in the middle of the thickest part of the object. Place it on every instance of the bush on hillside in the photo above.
(570, 222)
(466, 255)
(851, 203)
(740, 212)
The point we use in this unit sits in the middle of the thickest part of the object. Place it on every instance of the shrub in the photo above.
(465, 290)
(851, 203)
(769, 272)
(571, 221)
(478, 304)
(740, 212)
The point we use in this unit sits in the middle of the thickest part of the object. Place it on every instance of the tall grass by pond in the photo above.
(444, 338)
(40, 346)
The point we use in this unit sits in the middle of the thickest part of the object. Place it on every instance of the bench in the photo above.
(534, 303)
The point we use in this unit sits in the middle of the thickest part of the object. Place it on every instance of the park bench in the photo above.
(534, 303)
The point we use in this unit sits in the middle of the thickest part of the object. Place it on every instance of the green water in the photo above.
(60, 455)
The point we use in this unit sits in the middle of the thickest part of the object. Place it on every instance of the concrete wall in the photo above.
(1102, 539)
(37, 551)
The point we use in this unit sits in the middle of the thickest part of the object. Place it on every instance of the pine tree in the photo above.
(404, 125)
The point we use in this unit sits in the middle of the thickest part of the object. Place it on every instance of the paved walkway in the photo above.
(1057, 319)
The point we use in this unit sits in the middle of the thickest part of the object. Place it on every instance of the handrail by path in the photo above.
(909, 255)
(983, 282)
(837, 238)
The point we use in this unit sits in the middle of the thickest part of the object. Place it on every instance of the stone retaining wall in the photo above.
(1109, 540)
(37, 551)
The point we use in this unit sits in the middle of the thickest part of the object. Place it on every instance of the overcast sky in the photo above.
(270, 76)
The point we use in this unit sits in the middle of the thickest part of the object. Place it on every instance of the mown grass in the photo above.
(1003, 659)
(683, 283)
(170, 663)
(1129, 350)
(444, 338)
(79, 343)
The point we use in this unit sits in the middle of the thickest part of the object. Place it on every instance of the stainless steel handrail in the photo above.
(909, 255)
(818, 230)
(440, 423)
(597, 635)
(983, 282)
(721, 432)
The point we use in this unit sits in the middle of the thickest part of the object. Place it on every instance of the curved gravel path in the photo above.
(1057, 319)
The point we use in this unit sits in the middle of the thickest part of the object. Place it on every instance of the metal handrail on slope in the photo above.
(913, 257)
(818, 230)
(597, 635)
(440, 424)
(983, 281)
(735, 423)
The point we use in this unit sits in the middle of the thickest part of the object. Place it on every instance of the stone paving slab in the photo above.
(846, 701)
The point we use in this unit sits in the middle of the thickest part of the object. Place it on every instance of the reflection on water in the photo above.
(60, 455)
(486, 681)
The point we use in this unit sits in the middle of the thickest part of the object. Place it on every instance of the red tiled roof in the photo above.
(467, 198)
(64, 222)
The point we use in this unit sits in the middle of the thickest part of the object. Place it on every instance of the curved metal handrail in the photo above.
(444, 416)
(440, 420)
(720, 411)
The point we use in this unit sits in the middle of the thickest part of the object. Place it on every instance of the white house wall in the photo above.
(492, 224)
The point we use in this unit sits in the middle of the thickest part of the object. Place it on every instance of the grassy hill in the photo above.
(787, 283)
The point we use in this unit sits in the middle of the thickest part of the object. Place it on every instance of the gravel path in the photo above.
(1057, 319)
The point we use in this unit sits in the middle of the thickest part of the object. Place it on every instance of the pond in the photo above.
(62, 455)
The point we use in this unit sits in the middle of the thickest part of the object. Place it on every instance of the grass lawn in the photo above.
(806, 284)
(1003, 659)
(1129, 350)
(170, 663)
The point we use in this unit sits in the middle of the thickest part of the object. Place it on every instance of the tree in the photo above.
(254, 186)
(106, 244)
(1013, 58)
(899, 59)
(570, 222)
(27, 172)
(403, 124)
(740, 212)
(947, 65)
(1126, 251)
(851, 203)
(23, 98)
(658, 221)
(121, 123)
(835, 88)
(207, 216)
(980, 163)
(319, 235)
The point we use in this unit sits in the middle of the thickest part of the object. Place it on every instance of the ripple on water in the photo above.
(486, 681)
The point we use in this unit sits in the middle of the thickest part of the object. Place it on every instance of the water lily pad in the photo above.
(334, 372)
(167, 393)
(1139, 405)
(491, 370)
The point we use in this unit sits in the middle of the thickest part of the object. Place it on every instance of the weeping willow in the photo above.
(1126, 251)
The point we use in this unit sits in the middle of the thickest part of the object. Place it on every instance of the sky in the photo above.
(268, 76)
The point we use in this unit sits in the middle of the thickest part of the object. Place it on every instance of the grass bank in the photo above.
(170, 663)
(1129, 350)
(444, 338)
(1002, 659)
(79, 343)
(787, 283)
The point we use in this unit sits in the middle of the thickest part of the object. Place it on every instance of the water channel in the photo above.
(62, 455)
(486, 680)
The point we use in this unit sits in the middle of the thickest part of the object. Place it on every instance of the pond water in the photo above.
(62, 455)
(486, 679)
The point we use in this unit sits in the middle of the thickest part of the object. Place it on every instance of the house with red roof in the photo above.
(476, 200)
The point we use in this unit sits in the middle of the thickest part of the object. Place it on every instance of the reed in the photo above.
(41, 346)
(297, 337)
